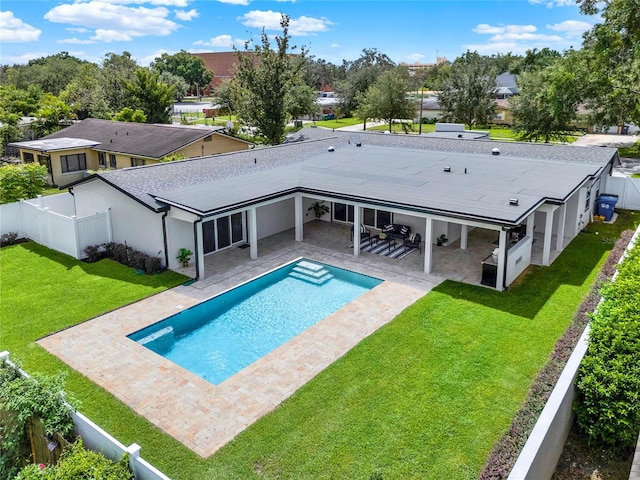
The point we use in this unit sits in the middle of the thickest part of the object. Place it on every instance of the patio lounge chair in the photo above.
(364, 233)
(414, 241)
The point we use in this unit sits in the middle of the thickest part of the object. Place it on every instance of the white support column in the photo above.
(464, 234)
(502, 258)
(200, 249)
(531, 223)
(356, 230)
(253, 233)
(548, 232)
(428, 245)
(299, 218)
(560, 232)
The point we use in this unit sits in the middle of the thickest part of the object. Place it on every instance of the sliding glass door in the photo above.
(222, 232)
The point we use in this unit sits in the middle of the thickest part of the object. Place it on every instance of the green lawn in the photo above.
(424, 397)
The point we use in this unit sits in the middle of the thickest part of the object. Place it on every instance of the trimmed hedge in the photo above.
(506, 450)
(608, 382)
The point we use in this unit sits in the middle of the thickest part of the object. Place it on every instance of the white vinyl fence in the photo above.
(540, 454)
(627, 189)
(96, 439)
(51, 221)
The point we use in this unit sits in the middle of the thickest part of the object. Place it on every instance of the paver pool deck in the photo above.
(203, 416)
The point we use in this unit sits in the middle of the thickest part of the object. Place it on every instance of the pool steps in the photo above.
(311, 272)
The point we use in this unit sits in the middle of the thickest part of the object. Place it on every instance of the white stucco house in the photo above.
(437, 186)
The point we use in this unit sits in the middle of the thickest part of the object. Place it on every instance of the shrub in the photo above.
(122, 253)
(7, 239)
(26, 397)
(21, 181)
(94, 253)
(78, 462)
(608, 382)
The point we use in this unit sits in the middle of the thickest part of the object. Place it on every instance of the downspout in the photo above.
(195, 238)
(75, 210)
(164, 237)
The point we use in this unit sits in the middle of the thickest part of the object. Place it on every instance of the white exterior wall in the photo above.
(131, 222)
(518, 259)
(275, 217)
(179, 235)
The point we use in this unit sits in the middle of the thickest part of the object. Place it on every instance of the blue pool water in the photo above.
(223, 335)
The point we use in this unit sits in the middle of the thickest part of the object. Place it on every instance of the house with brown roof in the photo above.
(95, 144)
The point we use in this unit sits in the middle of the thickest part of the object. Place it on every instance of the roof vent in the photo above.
(513, 201)
(447, 169)
(358, 144)
(331, 149)
(495, 151)
(459, 135)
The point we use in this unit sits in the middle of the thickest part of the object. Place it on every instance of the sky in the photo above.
(411, 31)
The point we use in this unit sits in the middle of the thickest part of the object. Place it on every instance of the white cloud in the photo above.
(572, 28)
(75, 41)
(164, 3)
(487, 29)
(146, 61)
(270, 20)
(186, 15)
(13, 29)
(415, 57)
(235, 2)
(222, 41)
(553, 3)
(335, 45)
(24, 58)
(76, 30)
(518, 39)
(114, 22)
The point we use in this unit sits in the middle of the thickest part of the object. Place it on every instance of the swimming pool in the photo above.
(221, 336)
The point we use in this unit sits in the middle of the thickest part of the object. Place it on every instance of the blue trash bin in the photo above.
(606, 204)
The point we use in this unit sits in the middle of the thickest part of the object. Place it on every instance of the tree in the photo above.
(360, 75)
(548, 102)
(182, 64)
(151, 96)
(85, 96)
(468, 93)
(534, 60)
(300, 101)
(22, 102)
(178, 83)
(52, 74)
(21, 181)
(224, 96)
(612, 62)
(9, 130)
(387, 98)
(116, 73)
(130, 115)
(262, 81)
(319, 73)
(52, 113)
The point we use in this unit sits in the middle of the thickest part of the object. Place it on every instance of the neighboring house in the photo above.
(436, 186)
(94, 144)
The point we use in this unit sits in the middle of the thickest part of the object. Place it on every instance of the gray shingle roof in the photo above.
(139, 139)
(393, 170)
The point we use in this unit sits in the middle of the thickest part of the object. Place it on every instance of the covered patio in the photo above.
(330, 242)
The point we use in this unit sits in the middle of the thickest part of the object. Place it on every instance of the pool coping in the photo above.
(200, 415)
